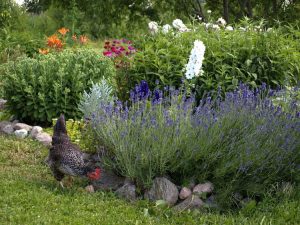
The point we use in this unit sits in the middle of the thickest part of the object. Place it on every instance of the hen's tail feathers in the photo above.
(60, 126)
(60, 135)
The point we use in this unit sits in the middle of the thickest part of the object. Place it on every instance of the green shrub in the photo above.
(231, 57)
(39, 89)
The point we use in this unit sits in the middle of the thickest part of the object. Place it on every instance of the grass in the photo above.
(30, 195)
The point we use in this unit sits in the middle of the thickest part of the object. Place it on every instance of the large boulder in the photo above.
(192, 202)
(163, 189)
(109, 181)
(21, 133)
(127, 191)
(20, 126)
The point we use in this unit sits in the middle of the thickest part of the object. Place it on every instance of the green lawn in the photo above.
(30, 195)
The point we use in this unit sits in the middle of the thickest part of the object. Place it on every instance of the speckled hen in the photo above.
(65, 158)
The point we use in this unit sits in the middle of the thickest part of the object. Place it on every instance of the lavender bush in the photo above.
(241, 142)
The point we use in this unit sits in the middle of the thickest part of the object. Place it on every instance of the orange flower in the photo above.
(83, 39)
(43, 51)
(54, 42)
(63, 31)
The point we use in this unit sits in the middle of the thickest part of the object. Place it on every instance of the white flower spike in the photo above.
(193, 67)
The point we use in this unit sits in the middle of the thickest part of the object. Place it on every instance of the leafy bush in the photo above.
(41, 88)
(241, 143)
(245, 55)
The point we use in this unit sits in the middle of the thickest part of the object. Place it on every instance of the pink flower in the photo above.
(131, 48)
(107, 53)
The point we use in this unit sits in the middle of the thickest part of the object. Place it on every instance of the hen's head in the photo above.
(94, 174)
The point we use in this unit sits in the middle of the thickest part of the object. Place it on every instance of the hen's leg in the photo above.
(58, 175)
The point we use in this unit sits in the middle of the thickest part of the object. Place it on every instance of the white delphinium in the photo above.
(166, 28)
(153, 27)
(230, 28)
(178, 24)
(193, 67)
(221, 22)
(208, 11)
(242, 28)
(270, 29)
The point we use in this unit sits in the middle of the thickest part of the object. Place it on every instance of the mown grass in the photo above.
(30, 195)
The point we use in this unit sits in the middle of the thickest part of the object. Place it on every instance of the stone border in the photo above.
(23, 130)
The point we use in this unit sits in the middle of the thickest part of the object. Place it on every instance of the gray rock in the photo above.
(192, 202)
(21, 133)
(109, 181)
(8, 129)
(3, 124)
(35, 131)
(20, 126)
(127, 191)
(162, 189)
(44, 138)
(185, 193)
(2, 103)
(203, 188)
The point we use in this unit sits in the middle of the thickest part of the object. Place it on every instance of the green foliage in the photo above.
(22, 168)
(39, 89)
(231, 57)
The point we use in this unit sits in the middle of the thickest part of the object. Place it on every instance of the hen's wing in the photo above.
(68, 159)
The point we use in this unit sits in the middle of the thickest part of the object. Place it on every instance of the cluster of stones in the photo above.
(180, 198)
(22, 130)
